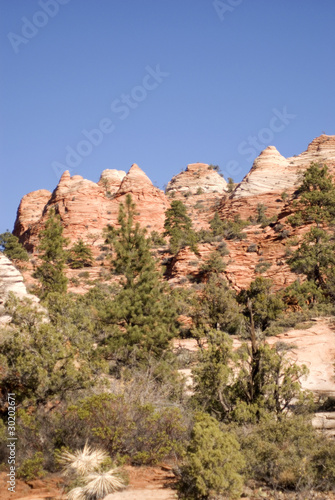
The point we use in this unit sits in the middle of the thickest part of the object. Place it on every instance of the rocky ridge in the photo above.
(86, 207)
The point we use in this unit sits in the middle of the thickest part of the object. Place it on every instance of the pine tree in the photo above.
(178, 226)
(216, 225)
(80, 255)
(316, 205)
(143, 312)
(47, 354)
(12, 248)
(230, 185)
(316, 197)
(217, 308)
(53, 256)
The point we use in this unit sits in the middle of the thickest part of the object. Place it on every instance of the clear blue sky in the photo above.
(231, 70)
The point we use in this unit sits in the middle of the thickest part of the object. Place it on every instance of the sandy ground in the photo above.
(147, 494)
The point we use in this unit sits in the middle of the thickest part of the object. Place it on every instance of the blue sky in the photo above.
(165, 82)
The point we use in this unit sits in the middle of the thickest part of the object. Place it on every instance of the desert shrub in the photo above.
(262, 266)
(214, 167)
(32, 468)
(222, 249)
(142, 432)
(278, 227)
(156, 239)
(205, 236)
(289, 454)
(229, 229)
(84, 274)
(286, 233)
(213, 264)
(232, 230)
(213, 462)
(253, 247)
(199, 191)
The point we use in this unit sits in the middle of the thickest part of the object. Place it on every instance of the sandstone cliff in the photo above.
(264, 248)
(86, 207)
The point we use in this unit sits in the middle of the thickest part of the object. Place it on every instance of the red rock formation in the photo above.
(200, 188)
(272, 174)
(85, 207)
(151, 202)
(29, 212)
(197, 176)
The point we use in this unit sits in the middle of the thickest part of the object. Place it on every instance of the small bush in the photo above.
(142, 432)
(157, 239)
(32, 468)
(252, 248)
(222, 249)
(262, 266)
(285, 234)
(289, 454)
(84, 274)
(213, 462)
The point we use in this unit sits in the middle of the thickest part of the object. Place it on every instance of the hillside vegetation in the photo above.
(96, 372)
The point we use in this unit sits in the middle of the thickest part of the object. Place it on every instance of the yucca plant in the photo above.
(84, 465)
(101, 484)
(76, 494)
(82, 462)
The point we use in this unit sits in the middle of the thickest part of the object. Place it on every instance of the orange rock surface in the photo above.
(86, 207)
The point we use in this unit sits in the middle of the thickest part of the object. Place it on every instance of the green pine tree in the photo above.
(216, 225)
(53, 256)
(178, 226)
(143, 313)
(12, 248)
(80, 255)
(47, 354)
(316, 205)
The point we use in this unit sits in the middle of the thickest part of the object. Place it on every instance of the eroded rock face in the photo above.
(30, 210)
(272, 175)
(111, 179)
(271, 172)
(86, 207)
(197, 177)
(151, 202)
(11, 280)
